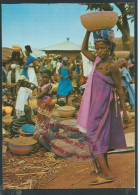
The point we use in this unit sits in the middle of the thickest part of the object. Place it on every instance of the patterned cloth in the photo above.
(104, 35)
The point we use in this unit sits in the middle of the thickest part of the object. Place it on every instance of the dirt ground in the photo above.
(45, 170)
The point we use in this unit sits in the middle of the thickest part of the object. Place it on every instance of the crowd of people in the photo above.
(99, 110)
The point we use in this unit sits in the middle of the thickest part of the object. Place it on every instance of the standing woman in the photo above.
(65, 85)
(16, 62)
(99, 115)
(29, 66)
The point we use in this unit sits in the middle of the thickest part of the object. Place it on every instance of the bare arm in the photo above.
(116, 76)
(84, 48)
(60, 72)
(44, 92)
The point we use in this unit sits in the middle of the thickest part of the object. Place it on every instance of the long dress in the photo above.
(99, 114)
(17, 74)
(30, 72)
(43, 119)
(105, 129)
(65, 85)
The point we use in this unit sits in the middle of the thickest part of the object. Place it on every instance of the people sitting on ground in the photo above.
(22, 112)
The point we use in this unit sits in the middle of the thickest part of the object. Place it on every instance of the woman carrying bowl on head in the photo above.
(29, 66)
(99, 116)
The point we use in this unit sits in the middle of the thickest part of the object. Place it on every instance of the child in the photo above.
(45, 106)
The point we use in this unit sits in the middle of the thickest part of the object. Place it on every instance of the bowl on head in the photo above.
(101, 20)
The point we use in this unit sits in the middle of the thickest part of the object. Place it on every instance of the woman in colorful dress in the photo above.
(45, 107)
(29, 66)
(99, 116)
(65, 85)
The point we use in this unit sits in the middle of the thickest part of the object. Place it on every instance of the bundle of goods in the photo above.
(16, 48)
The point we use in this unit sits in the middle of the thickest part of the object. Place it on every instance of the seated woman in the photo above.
(22, 113)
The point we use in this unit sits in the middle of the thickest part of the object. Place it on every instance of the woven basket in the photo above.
(21, 145)
(66, 111)
(7, 119)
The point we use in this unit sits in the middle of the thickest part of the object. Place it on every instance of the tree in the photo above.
(127, 13)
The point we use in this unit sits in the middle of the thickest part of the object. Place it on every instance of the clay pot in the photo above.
(21, 145)
(16, 48)
(8, 109)
(7, 119)
(66, 111)
(95, 21)
(122, 54)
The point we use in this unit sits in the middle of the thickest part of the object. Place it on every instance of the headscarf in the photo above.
(65, 58)
(105, 35)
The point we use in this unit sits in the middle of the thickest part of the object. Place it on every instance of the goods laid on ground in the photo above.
(66, 111)
(95, 21)
(54, 101)
(76, 102)
(63, 149)
(71, 122)
(33, 102)
(55, 86)
(28, 128)
(21, 145)
(8, 109)
(122, 54)
(7, 119)
(24, 134)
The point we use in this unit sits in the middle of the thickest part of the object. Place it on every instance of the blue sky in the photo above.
(42, 25)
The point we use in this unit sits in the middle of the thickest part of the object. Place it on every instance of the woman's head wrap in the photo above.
(65, 58)
(106, 36)
(28, 48)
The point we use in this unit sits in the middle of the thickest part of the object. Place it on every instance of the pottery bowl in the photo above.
(66, 111)
(7, 119)
(95, 21)
(63, 149)
(122, 54)
(21, 145)
(8, 109)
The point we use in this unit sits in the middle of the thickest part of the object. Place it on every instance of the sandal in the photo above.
(101, 180)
